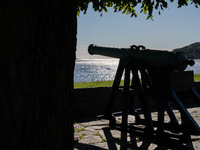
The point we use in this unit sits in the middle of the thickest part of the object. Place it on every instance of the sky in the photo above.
(174, 28)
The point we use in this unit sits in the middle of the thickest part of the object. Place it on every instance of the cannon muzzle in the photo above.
(158, 58)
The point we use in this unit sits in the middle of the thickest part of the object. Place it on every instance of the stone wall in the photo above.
(92, 101)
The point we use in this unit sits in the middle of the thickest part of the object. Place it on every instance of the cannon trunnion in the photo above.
(157, 75)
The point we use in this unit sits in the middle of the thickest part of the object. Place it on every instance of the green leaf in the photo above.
(161, 6)
(105, 9)
(164, 4)
(128, 6)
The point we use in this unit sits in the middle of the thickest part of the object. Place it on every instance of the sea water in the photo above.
(105, 69)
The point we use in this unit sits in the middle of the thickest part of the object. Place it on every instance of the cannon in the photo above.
(152, 74)
(156, 58)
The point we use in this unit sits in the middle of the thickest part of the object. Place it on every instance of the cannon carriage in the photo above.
(153, 74)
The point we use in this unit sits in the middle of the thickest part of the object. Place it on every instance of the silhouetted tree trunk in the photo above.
(37, 58)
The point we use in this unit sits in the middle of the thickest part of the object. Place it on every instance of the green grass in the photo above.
(94, 84)
(109, 83)
(196, 77)
(79, 130)
(81, 136)
(102, 139)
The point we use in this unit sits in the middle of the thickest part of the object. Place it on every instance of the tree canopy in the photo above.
(128, 6)
(193, 50)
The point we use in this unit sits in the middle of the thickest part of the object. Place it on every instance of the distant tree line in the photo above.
(193, 50)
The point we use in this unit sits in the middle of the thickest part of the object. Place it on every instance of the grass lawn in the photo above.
(94, 84)
(109, 83)
(197, 77)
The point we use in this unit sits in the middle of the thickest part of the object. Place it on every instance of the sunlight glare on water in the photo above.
(95, 70)
(105, 69)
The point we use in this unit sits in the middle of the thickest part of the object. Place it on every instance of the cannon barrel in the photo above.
(158, 58)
